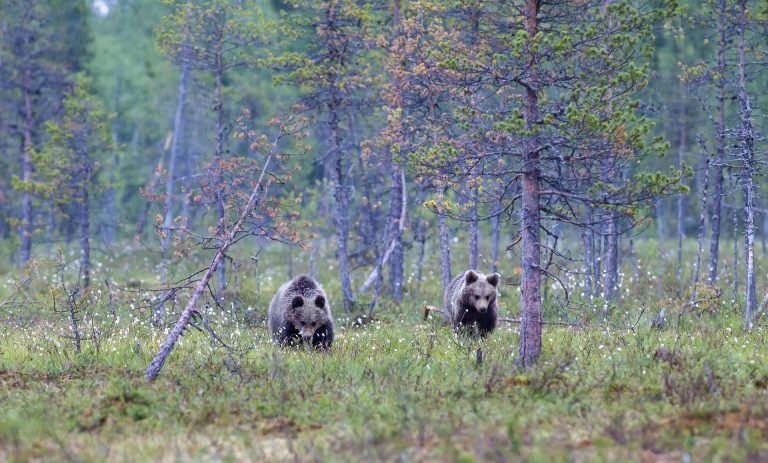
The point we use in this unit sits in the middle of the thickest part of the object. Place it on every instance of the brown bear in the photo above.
(300, 313)
(470, 302)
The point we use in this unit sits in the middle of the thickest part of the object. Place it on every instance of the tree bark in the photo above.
(587, 236)
(530, 315)
(109, 200)
(735, 221)
(747, 172)
(717, 199)
(51, 227)
(681, 196)
(495, 237)
(85, 223)
(474, 230)
(396, 261)
(218, 108)
(26, 166)
(610, 277)
(341, 196)
(702, 224)
(445, 245)
(178, 127)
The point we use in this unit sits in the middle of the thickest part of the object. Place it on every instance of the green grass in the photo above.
(392, 388)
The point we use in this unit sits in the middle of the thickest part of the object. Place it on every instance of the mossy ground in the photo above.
(392, 388)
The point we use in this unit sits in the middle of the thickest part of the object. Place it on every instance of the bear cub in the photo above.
(299, 313)
(470, 302)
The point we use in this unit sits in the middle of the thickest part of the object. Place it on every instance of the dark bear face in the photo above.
(480, 290)
(307, 318)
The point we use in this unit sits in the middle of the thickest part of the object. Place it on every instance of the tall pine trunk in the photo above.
(474, 232)
(85, 223)
(396, 259)
(702, 224)
(341, 217)
(588, 252)
(109, 200)
(26, 168)
(735, 222)
(530, 315)
(747, 137)
(445, 250)
(611, 275)
(217, 156)
(681, 196)
(495, 237)
(178, 127)
(717, 198)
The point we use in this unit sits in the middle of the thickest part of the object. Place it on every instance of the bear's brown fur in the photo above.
(300, 313)
(470, 302)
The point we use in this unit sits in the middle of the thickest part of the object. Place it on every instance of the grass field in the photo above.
(394, 388)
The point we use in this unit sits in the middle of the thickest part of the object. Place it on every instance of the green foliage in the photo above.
(199, 31)
(72, 158)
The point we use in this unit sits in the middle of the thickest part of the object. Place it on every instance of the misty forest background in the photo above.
(167, 165)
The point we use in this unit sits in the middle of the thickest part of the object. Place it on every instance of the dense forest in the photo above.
(574, 186)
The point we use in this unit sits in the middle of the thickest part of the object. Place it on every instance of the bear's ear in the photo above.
(320, 301)
(297, 301)
(493, 279)
(470, 277)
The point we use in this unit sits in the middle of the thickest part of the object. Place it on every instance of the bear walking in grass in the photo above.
(470, 302)
(299, 313)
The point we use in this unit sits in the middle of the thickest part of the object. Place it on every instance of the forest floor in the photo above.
(393, 387)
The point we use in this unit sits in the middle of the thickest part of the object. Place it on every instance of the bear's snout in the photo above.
(482, 309)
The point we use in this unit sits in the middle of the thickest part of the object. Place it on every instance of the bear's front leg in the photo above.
(323, 337)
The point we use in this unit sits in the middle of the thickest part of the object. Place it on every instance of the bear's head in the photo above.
(308, 315)
(480, 290)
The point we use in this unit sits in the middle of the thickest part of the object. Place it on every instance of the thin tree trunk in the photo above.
(735, 250)
(762, 233)
(445, 245)
(661, 232)
(633, 258)
(717, 198)
(473, 230)
(178, 128)
(51, 227)
(388, 253)
(747, 172)
(26, 168)
(610, 277)
(342, 201)
(681, 196)
(218, 108)
(597, 260)
(702, 222)
(587, 236)
(396, 261)
(530, 285)
(420, 235)
(445, 249)
(85, 225)
(495, 238)
(109, 200)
